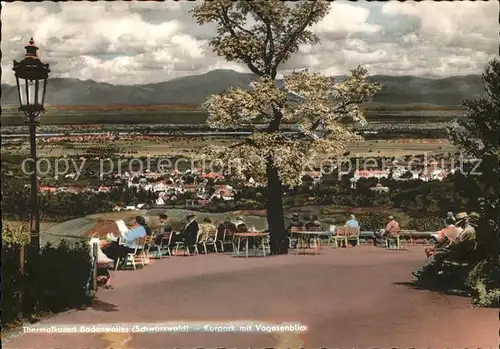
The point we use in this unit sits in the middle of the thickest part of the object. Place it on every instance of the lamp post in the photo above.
(31, 78)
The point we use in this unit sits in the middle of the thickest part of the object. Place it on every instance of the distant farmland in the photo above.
(192, 114)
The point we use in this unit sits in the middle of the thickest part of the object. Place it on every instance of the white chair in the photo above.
(134, 258)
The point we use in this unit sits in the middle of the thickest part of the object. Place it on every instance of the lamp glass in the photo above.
(31, 92)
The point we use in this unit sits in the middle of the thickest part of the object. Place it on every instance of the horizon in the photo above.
(139, 43)
(249, 73)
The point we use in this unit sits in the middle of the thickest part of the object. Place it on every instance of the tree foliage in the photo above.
(478, 134)
(262, 35)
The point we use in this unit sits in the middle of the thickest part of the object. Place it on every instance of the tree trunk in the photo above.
(275, 216)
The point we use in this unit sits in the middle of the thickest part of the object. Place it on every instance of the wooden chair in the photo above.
(352, 234)
(210, 239)
(340, 237)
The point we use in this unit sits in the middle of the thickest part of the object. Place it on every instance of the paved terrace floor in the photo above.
(356, 297)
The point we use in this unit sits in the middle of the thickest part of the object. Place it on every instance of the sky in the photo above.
(150, 42)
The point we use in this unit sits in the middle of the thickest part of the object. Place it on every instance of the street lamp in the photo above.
(31, 78)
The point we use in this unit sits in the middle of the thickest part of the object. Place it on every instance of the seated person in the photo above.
(352, 222)
(117, 250)
(104, 264)
(205, 228)
(164, 227)
(313, 223)
(446, 236)
(295, 222)
(240, 224)
(391, 230)
(188, 233)
(449, 218)
(457, 247)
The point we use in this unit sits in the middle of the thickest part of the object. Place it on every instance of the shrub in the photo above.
(430, 223)
(372, 221)
(483, 280)
(54, 280)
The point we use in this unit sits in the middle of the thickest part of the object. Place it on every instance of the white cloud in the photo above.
(147, 42)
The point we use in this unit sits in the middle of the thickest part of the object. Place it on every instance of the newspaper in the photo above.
(122, 228)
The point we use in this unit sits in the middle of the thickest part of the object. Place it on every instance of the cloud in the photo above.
(148, 42)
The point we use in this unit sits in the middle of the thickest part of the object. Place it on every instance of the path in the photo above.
(348, 298)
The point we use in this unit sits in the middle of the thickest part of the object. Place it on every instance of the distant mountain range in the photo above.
(195, 89)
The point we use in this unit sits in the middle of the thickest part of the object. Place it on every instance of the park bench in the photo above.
(459, 255)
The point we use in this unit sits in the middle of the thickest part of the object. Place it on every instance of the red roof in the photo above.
(50, 189)
(211, 175)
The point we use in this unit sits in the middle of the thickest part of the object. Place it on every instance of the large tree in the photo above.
(477, 134)
(263, 35)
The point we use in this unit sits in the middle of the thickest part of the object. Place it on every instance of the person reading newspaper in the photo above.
(120, 247)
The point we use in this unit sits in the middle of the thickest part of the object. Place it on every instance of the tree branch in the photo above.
(291, 39)
(246, 58)
(267, 56)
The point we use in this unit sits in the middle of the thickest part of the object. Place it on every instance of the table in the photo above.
(305, 236)
(246, 236)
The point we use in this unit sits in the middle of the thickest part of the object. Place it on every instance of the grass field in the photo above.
(184, 146)
(192, 114)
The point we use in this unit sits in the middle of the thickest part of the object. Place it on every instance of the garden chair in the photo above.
(210, 239)
(181, 246)
(352, 234)
(332, 229)
(340, 238)
(133, 258)
(292, 241)
(153, 247)
(265, 245)
(165, 244)
(315, 240)
(144, 253)
(394, 242)
(228, 239)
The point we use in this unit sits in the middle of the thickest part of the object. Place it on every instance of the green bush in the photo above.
(54, 280)
(372, 221)
(483, 280)
(430, 223)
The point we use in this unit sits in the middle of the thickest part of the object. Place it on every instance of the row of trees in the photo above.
(64, 206)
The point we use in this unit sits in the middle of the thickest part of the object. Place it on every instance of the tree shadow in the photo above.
(103, 306)
(438, 288)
